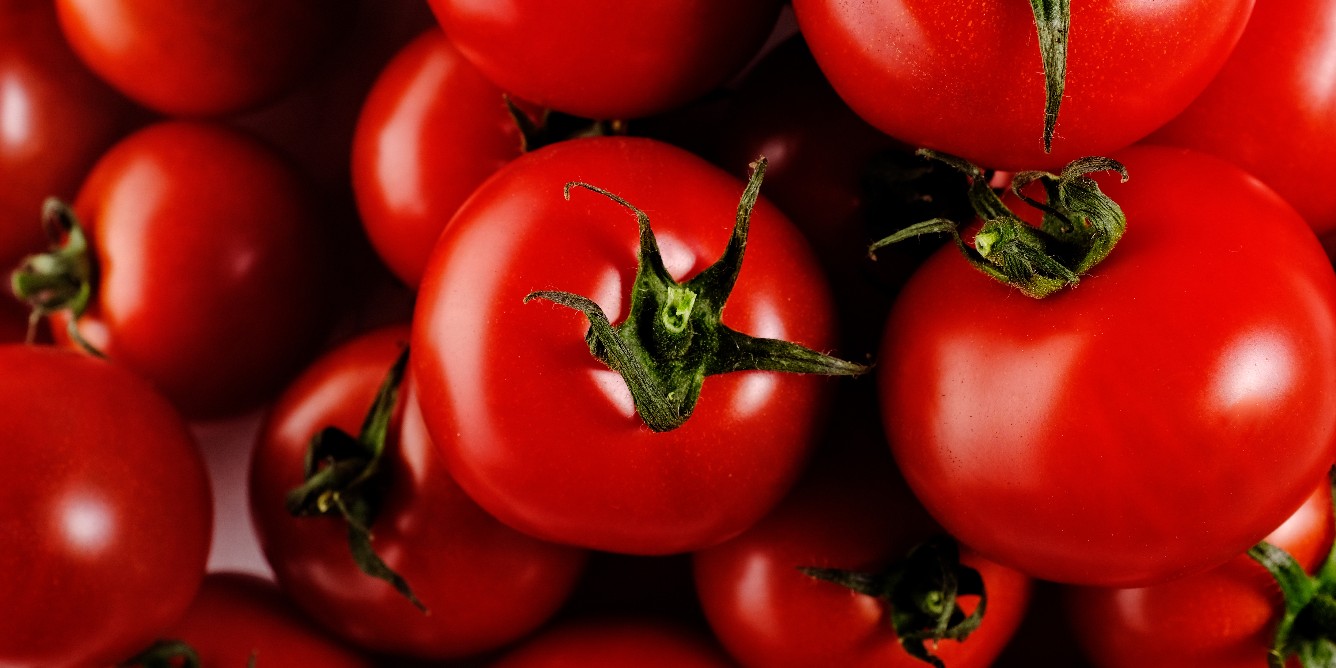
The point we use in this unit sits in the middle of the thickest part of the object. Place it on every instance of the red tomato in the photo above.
(545, 436)
(106, 522)
(237, 617)
(201, 58)
(767, 612)
(1223, 618)
(608, 59)
(1157, 419)
(1270, 110)
(965, 77)
(209, 265)
(613, 643)
(432, 129)
(483, 583)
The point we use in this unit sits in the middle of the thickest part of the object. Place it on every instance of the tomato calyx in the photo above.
(1080, 226)
(923, 592)
(60, 279)
(344, 477)
(546, 126)
(165, 654)
(1053, 20)
(1307, 627)
(673, 336)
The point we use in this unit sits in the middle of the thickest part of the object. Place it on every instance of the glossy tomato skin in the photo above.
(607, 59)
(1270, 110)
(1222, 618)
(542, 434)
(201, 59)
(432, 129)
(973, 71)
(237, 617)
(614, 642)
(106, 530)
(1157, 419)
(483, 583)
(210, 265)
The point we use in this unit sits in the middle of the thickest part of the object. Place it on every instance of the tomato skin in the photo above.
(1222, 618)
(107, 529)
(609, 643)
(237, 616)
(210, 265)
(607, 59)
(973, 71)
(201, 59)
(1157, 419)
(484, 584)
(541, 433)
(432, 129)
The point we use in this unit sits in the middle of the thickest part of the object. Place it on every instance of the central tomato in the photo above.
(544, 435)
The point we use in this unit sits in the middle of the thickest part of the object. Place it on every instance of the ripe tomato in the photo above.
(607, 59)
(545, 436)
(201, 58)
(609, 643)
(1157, 419)
(483, 583)
(209, 265)
(431, 130)
(106, 522)
(965, 77)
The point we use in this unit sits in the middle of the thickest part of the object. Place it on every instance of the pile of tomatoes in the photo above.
(537, 333)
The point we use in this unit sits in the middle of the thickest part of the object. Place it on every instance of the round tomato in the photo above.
(208, 265)
(608, 59)
(201, 58)
(544, 435)
(483, 584)
(965, 76)
(610, 643)
(1158, 418)
(107, 518)
(431, 131)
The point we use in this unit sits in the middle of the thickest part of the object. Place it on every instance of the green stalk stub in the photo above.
(923, 591)
(60, 279)
(1307, 626)
(344, 477)
(1052, 20)
(673, 337)
(1080, 226)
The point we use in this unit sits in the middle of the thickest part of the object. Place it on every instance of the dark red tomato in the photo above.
(484, 584)
(107, 518)
(608, 59)
(431, 131)
(613, 643)
(1157, 419)
(238, 617)
(851, 513)
(209, 265)
(966, 77)
(1223, 618)
(545, 436)
(201, 58)
(1270, 110)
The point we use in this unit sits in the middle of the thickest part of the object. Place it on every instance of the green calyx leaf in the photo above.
(923, 591)
(1052, 20)
(673, 336)
(60, 279)
(344, 478)
(1080, 226)
(165, 654)
(1307, 626)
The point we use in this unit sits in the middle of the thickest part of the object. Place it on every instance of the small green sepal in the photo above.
(60, 279)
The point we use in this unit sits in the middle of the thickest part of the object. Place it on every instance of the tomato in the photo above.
(483, 584)
(545, 436)
(201, 59)
(1270, 110)
(209, 265)
(767, 612)
(973, 72)
(1159, 418)
(607, 59)
(431, 130)
(106, 522)
(238, 617)
(1222, 618)
(609, 643)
